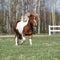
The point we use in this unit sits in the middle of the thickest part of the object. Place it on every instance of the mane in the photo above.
(24, 18)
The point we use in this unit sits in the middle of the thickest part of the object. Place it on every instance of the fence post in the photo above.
(49, 31)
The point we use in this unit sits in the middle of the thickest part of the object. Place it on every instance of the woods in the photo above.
(11, 10)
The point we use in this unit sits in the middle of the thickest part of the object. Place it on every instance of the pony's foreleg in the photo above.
(30, 40)
(23, 38)
(16, 40)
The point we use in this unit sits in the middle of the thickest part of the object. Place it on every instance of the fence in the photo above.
(53, 29)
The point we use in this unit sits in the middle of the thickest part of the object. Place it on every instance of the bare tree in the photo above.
(53, 11)
(38, 11)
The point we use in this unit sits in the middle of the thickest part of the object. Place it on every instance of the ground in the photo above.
(44, 48)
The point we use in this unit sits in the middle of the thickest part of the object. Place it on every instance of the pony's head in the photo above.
(32, 19)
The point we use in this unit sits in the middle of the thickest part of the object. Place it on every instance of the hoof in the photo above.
(22, 42)
(16, 44)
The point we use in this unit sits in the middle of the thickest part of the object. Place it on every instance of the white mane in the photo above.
(24, 18)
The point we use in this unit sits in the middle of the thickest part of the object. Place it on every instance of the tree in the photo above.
(53, 11)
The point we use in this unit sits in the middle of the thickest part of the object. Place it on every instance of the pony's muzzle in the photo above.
(35, 23)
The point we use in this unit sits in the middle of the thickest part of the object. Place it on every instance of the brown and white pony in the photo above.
(24, 28)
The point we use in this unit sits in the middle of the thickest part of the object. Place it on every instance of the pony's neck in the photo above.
(30, 25)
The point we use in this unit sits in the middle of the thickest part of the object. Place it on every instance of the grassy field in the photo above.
(44, 48)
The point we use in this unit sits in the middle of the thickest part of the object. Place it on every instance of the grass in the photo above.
(43, 48)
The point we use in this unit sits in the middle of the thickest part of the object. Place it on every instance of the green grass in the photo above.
(43, 48)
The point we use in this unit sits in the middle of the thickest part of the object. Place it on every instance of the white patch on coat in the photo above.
(20, 26)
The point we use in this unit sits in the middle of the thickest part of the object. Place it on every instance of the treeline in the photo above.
(11, 10)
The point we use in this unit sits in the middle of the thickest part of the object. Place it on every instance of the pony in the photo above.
(24, 27)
